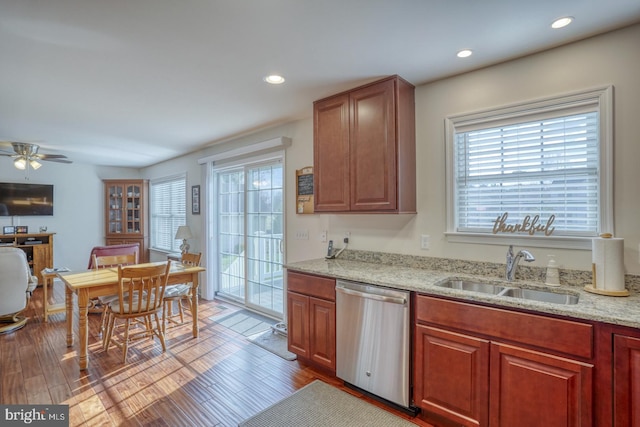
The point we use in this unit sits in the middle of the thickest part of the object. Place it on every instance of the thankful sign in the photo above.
(527, 225)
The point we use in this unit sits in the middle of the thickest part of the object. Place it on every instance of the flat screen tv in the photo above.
(18, 199)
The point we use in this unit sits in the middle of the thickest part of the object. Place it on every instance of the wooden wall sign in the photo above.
(304, 190)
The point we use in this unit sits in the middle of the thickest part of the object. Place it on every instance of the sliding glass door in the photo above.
(250, 224)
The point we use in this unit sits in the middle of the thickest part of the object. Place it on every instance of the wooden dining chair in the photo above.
(180, 294)
(140, 297)
(110, 261)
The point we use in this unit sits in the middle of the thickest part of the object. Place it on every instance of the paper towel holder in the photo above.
(592, 287)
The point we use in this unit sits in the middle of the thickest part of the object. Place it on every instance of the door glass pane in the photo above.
(252, 273)
(231, 233)
(264, 237)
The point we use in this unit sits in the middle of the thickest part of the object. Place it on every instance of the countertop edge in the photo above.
(620, 311)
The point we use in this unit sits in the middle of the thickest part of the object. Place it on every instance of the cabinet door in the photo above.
(298, 324)
(372, 148)
(322, 323)
(452, 375)
(331, 154)
(532, 389)
(626, 380)
(133, 208)
(115, 207)
(42, 258)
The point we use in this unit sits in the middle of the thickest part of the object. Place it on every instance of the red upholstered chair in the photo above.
(123, 249)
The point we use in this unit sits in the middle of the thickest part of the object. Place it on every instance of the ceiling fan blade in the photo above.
(50, 156)
(58, 160)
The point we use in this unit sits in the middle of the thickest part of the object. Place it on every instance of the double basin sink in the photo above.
(513, 292)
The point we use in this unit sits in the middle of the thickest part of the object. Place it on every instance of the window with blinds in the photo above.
(545, 161)
(168, 212)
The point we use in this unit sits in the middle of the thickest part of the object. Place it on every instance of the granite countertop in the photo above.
(616, 310)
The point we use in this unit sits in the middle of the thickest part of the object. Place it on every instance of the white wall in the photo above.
(613, 58)
(78, 196)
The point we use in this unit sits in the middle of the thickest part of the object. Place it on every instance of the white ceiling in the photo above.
(135, 82)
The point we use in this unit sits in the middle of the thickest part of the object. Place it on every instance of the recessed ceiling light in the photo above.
(464, 53)
(562, 22)
(274, 79)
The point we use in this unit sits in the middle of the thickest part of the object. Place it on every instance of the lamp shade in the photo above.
(184, 232)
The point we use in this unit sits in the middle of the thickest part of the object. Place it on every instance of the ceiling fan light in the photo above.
(20, 163)
(34, 164)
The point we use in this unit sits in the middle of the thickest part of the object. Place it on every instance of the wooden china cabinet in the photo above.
(126, 213)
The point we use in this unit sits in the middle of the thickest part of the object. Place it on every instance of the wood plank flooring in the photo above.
(218, 379)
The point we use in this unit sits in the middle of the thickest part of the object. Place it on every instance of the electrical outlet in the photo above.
(323, 236)
(347, 235)
(302, 235)
(424, 241)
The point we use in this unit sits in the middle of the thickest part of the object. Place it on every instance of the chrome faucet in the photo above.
(512, 261)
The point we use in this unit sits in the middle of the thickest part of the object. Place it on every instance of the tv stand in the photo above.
(38, 247)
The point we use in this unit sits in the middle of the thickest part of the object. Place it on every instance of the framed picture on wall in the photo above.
(195, 200)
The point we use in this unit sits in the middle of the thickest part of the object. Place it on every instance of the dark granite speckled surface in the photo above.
(423, 274)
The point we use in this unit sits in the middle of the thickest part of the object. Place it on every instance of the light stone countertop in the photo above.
(616, 310)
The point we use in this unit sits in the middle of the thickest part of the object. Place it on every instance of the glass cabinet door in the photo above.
(134, 218)
(115, 193)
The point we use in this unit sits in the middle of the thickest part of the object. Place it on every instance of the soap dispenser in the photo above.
(553, 276)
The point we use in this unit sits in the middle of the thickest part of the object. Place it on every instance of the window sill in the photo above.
(581, 243)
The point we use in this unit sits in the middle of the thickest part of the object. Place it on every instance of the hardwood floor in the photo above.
(218, 379)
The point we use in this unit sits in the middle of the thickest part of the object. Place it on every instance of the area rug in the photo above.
(244, 322)
(273, 342)
(321, 405)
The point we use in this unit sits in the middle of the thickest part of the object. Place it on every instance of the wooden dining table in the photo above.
(91, 284)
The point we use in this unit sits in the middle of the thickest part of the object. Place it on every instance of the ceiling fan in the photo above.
(26, 155)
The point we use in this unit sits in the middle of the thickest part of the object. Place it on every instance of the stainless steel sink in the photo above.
(541, 296)
(469, 285)
(512, 292)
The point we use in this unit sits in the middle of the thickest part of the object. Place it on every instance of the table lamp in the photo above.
(184, 233)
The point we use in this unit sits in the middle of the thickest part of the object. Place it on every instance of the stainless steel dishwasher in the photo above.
(372, 340)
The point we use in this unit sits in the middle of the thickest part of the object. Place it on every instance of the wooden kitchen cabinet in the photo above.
(626, 381)
(126, 211)
(364, 149)
(452, 375)
(311, 318)
(486, 366)
(531, 389)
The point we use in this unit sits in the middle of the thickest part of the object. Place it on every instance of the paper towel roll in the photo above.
(608, 258)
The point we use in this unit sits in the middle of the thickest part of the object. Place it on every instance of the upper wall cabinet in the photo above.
(364, 149)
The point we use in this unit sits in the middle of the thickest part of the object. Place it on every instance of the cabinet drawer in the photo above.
(564, 336)
(315, 286)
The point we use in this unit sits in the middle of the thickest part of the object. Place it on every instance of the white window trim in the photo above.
(601, 96)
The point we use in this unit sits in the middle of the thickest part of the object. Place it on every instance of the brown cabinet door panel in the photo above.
(298, 324)
(532, 389)
(372, 145)
(626, 380)
(331, 154)
(452, 375)
(322, 345)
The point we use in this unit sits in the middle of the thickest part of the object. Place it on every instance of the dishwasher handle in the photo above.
(382, 298)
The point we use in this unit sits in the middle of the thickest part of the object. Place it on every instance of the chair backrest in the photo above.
(141, 287)
(123, 249)
(191, 259)
(14, 280)
(106, 261)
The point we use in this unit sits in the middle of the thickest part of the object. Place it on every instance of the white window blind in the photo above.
(547, 158)
(542, 167)
(168, 212)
